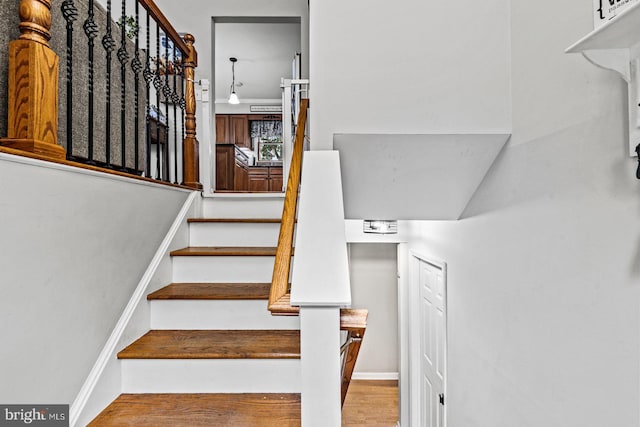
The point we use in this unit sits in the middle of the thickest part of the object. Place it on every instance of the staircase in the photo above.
(215, 355)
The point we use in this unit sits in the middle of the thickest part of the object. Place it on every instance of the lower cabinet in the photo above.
(257, 179)
(275, 179)
(234, 175)
(241, 177)
(225, 154)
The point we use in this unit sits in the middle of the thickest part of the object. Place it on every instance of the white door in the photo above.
(433, 343)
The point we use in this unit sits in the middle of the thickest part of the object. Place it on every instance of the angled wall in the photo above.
(74, 246)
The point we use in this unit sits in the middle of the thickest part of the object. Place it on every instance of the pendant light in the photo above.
(233, 98)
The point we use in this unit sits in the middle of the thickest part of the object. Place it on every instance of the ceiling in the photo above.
(265, 50)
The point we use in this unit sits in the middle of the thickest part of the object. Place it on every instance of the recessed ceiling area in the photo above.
(413, 177)
(265, 49)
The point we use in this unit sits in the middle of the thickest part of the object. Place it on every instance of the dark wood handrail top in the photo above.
(163, 22)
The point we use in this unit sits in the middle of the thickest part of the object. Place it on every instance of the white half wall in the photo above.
(74, 245)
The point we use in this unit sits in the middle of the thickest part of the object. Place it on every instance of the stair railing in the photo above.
(279, 302)
(121, 131)
(321, 289)
(354, 322)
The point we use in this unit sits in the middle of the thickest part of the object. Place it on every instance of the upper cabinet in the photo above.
(266, 137)
(616, 46)
(222, 129)
(233, 129)
(261, 133)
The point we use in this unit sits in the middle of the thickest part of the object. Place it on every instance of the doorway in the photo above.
(250, 154)
(427, 342)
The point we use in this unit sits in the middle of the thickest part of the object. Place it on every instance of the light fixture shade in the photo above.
(233, 98)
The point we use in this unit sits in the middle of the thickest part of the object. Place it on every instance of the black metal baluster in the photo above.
(148, 76)
(91, 31)
(166, 91)
(157, 84)
(70, 14)
(123, 57)
(109, 45)
(175, 99)
(136, 66)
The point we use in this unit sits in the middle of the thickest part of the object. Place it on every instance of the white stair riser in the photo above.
(211, 376)
(220, 314)
(232, 269)
(233, 234)
(243, 207)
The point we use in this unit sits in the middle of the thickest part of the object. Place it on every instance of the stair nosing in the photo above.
(140, 348)
(235, 220)
(163, 294)
(241, 251)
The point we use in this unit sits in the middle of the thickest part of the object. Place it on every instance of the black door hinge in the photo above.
(442, 399)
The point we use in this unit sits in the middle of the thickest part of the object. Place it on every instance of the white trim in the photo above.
(375, 376)
(110, 347)
(67, 168)
(276, 195)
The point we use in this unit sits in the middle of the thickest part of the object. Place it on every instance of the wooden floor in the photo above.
(371, 404)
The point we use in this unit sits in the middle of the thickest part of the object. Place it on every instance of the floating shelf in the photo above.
(616, 46)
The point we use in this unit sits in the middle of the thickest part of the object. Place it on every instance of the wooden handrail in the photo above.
(163, 22)
(279, 302)
(354, 322)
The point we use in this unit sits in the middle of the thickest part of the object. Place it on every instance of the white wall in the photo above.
(408, 66)
(74, 246)
(196, 19)
(374, 286)
(543, 274)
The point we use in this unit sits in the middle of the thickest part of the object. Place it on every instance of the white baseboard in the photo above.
(375, 376)
(110, 349)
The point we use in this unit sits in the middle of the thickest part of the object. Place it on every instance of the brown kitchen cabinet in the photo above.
(241, 176)
(265, 178)
(233, 129)
(275, 179)
(225, 155)
(222, 129)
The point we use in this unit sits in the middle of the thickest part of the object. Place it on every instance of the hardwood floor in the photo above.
(371, 404)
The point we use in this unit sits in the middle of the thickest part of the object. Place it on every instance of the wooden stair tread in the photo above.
(353, 318)
(236, 220)
(212, 291)
(215, 344)
(187, 410)
(225, 251)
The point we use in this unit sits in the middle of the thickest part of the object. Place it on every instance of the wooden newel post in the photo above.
(33, 85)
(190, 146)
